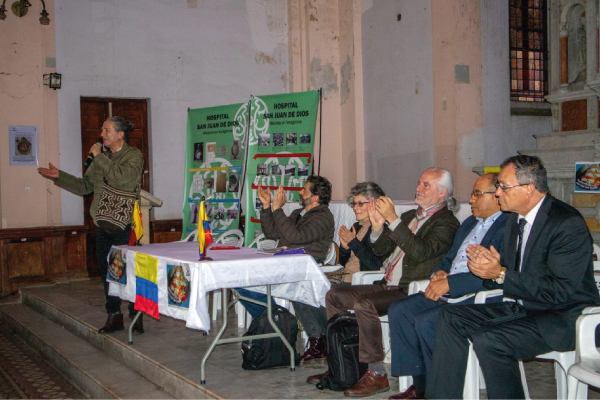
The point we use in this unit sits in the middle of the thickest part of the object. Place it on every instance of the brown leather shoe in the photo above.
(410, 393)
(317, 349)
(138, 327)
(113, 323)
(369, 384)
(314, 379)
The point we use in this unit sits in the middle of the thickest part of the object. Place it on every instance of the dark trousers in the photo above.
(104, 241)
(498, 343)
(368, 302)
(412, 332)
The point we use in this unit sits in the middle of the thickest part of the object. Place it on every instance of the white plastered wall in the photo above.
(178, 54)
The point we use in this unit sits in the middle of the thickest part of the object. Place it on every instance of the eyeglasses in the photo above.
(505, 188)
(358, 203)
(479, 193)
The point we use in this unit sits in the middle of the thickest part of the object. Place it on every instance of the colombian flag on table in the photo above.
(204, 233)
(146, 288)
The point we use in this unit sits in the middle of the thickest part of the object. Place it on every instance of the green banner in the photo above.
(214, 160)
(280, 149)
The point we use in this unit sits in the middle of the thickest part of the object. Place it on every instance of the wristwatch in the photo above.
(500, 278)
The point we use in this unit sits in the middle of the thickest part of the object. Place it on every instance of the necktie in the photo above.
(522, 223)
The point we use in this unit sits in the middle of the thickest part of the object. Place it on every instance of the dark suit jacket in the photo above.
(363, 251)
(423, 250)
(556, 281)
(465, 283)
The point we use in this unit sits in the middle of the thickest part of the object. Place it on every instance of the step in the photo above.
(150, 356)
(93, 372)
(567, 139)
(565, 155)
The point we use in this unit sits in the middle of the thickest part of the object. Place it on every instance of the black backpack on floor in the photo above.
(342, 353)
(271, 352)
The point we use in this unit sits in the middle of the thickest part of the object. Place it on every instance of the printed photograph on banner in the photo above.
(261, 170)
(290, 170)
(198, 152)
(221, 182)
(291, 139)
(223, 150)
(234, 181)
(305, 138)
(276, 170)
(209, 183)
(178, 285)
(211, 148)
(210, 211)
(235, 150)
(278, 139)
(219, 214)
(257, 205)
(303, 170)
(232, 213)
(264, 140)
(194, 208)
(117, 267)
(587, 176)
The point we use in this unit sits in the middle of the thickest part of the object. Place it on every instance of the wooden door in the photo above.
(94, 111)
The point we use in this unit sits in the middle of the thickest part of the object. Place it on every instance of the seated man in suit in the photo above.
(413, 319)
(546, 268)
(417, 241)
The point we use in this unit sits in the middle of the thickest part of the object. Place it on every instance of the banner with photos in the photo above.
(214, 162)
(280, 149)
(587, 176)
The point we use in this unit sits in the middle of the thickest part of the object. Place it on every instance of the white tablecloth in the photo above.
(294, 277)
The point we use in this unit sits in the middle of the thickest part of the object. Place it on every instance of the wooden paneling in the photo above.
(574, 115)
(34, 255)
(25, 258)
(166, 231)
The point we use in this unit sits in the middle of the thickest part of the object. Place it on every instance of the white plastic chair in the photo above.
(562, 362)
(233, 237)
(331, 255)
(192, 237)
(586, 370)
(261, 243)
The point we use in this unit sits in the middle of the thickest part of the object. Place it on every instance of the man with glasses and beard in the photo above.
(311, 227)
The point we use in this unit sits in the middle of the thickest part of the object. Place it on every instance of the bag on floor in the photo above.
(271, 352)
(342, 353)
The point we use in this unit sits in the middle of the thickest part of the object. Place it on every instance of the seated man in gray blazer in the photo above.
(413, 319)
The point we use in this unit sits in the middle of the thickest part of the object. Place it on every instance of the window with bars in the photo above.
(528, 50)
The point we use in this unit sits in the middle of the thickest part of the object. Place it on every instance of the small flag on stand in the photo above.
(146, 284)
(204, 233)
(136, 225)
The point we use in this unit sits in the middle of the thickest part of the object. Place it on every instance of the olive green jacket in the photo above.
(122, 170)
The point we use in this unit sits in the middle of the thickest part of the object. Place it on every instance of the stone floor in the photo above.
(173, 345)
(25, 375)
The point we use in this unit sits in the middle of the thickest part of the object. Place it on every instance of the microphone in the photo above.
(90, 157)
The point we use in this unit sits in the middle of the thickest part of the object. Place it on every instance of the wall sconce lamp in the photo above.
(20, 9)
(54, 80)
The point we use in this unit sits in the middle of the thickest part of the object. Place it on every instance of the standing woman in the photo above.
(121, 168)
